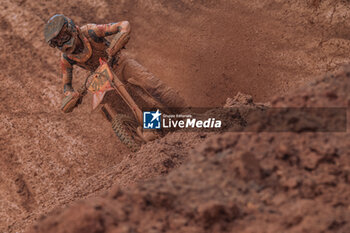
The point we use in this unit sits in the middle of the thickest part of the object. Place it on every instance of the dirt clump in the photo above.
(244, 182)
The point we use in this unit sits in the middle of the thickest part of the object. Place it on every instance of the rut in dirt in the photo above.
(208, 51)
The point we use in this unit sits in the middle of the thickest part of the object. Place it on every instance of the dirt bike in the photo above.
(120, 103)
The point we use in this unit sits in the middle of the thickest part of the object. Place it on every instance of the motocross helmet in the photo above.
(61, 32)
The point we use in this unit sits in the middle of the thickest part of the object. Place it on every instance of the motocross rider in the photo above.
(83, 46)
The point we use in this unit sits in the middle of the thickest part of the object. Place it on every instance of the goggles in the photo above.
(61, 38)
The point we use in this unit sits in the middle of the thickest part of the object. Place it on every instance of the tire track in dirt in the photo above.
(208, 50)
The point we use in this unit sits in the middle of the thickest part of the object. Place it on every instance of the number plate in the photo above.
(100, 82)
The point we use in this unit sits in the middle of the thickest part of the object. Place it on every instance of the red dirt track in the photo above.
(185, 182)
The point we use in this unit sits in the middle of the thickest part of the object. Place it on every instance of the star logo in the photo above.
(156, 115)
(151, 120)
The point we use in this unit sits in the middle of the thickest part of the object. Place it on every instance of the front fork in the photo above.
(120, 89)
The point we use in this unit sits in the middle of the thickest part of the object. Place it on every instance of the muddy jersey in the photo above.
(94, 36)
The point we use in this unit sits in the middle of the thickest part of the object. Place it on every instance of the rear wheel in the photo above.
(125, 128)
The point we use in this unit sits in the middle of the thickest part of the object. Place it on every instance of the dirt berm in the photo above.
(236, 182)
(209, 51)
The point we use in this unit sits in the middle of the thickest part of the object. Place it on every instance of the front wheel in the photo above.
(125, 128)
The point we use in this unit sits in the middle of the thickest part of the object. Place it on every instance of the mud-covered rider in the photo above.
(83, 46)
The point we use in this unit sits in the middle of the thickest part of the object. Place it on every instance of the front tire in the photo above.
(125, 129)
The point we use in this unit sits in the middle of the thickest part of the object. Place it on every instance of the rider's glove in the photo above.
(71, 100)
